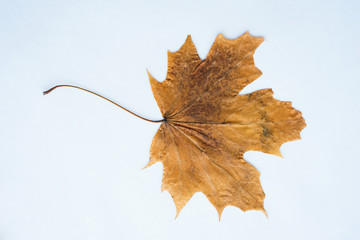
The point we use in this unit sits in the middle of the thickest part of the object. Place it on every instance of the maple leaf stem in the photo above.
(58, 86)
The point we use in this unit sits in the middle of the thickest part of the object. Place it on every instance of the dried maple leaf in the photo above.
(208, 127)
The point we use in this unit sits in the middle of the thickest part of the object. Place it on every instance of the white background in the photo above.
(70, 163)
